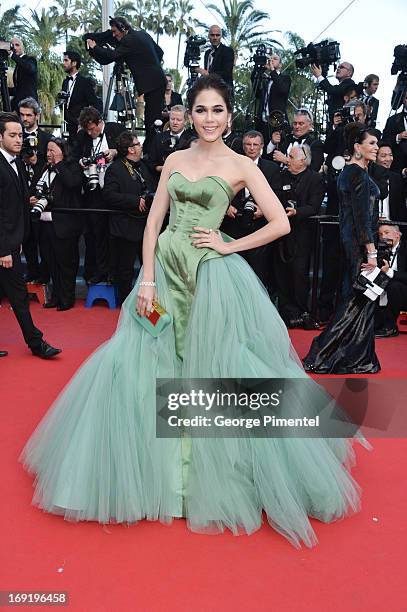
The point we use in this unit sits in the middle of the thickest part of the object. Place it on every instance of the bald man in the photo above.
(219, 58)
(24, 75)
(344, 74)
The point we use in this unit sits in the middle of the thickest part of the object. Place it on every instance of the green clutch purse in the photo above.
(156, 321)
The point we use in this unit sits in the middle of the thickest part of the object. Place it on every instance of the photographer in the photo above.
(344, 74)
(129, 186)
(219, 59)
(244, 217)
(395, 133)
(14, 227)
(302, 193)
(78, 91)
(392, 204)
(369, 88)
(272, 94)
(25, 75)
(59, 187)
(394, 299)
(33, 155)
(95, 149)
(143, 56)
(165, 143)
(171, 97)
(302, 133)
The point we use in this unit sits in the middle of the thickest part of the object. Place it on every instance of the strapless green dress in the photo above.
(95, 454)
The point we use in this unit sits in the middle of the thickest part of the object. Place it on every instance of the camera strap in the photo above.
(134, 173)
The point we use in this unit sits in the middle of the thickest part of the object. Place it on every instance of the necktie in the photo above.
(210, 59)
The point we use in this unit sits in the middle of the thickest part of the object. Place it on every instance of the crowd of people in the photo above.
(102, 165)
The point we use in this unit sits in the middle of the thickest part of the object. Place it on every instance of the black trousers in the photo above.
(97, 254)
(291, 264)
(153, 105)
(124, 253)
(332, 260)
(386, 316)
(62, 257)
(13, 284)
(36, 269)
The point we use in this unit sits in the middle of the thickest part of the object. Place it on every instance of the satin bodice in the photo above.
(200, 203)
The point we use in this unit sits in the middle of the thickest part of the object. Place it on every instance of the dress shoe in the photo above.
(3, 353)
(45, 350)
(97, 278)
(308, 322)
(294, 323)
(64, 307)
(50, 304)
(386, 333)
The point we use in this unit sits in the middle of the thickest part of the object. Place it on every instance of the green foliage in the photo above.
(10, 23)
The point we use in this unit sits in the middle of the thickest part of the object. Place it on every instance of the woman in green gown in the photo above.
(95, 454)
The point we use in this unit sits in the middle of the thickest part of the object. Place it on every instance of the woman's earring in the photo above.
(358, 155)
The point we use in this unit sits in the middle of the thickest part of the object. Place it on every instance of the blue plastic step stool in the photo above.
(102, 291)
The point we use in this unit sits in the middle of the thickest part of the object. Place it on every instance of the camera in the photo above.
(400, 59)
(95, 167)
(192, 55)
(347, 114)
(44, 197)
(148, 197)
(384, 251)
(246, 214)
(62, 97)
(322, 54)
(29, 147)
(261, 56)
(279, 123)
(5, 47)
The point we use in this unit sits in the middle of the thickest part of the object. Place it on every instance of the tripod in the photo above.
(4, 95)
(123, 102)
(250, 115)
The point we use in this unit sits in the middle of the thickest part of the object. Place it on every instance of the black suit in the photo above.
(13, 229)
(82, 95)
(59, 237)
(395, 125)
(241, 225)
(35, 269)
(175, 100)
(335, 93)
(386, 316)
(373, 104)
(391, 185)
(222, 62)
(271, 94)
(292, 253)
(143, 56)
(97, 257)
(122, 191)
(164, 144)
(24, 78)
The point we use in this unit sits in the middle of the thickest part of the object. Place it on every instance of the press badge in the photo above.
(286, 187)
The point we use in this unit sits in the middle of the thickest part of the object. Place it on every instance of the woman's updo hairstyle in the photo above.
(211, 81)
(355, 133)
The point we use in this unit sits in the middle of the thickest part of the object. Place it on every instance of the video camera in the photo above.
(399, 65)
(5, 48)
(44, 196)
(322, 54)
(347, 114)
(261, 56)
(95, 166)
(192, 56)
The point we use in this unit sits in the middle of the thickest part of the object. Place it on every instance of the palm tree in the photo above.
(185, 23)
(160, 18)
(243, 25)
(10, 23)
(65, 17)
(42, 34)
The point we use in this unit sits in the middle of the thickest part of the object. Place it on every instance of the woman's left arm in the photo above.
(271, 207)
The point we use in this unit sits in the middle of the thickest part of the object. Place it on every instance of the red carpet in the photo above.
(150, 567)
